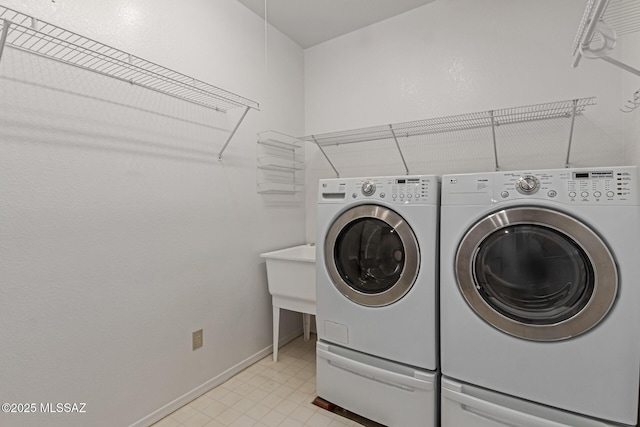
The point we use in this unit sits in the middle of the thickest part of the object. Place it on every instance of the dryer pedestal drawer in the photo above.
(469, 406)
(380, 390)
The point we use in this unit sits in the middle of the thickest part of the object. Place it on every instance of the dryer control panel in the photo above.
(616, 185)
(411, 189)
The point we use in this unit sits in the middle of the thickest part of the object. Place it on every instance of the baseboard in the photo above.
(211, 384)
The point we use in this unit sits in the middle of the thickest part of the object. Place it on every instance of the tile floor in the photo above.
(267, 394)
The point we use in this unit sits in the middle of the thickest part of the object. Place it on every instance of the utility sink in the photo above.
(291, 275)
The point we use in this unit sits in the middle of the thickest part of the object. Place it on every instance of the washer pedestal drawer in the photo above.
(380, 390)
(470, 406)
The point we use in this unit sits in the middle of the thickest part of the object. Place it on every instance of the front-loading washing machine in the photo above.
(539, 291)
(376, 283)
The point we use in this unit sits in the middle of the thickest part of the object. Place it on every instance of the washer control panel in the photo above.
(412, 189)
(616, 185)
(602, 186)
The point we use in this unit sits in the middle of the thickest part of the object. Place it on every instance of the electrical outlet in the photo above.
(197, 339)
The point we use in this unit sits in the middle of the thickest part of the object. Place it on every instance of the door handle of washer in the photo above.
(501, 414)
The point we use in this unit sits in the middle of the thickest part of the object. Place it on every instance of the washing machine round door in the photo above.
(372, 255)
(536, 273)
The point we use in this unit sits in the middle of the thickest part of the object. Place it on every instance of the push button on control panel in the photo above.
(552, 193)
(409, 190)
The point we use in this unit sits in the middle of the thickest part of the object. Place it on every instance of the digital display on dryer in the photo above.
(593, 175)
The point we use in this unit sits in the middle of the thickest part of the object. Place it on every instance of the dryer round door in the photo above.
(372, 255)
(536, 273)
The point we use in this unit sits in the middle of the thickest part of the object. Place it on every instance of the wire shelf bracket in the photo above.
(602, 22)
(26, 33)
(3, 37)
(233, 132)
(315, 140)
(567, 164)
(493, 137)
(395, 138)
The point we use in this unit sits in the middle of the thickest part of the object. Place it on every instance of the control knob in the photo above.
(527, 184)
(368, 188)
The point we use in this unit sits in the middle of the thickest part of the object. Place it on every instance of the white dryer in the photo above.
(376, 280)
(540, 287)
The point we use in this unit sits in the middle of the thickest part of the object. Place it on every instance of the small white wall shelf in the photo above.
(490, 120)
(280, 160)
(26, 33)
(602, 23)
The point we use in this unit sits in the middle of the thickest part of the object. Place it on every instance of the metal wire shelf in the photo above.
(603, 21)
(26, 33)
(568, 109)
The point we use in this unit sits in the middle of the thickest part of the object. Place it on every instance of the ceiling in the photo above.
(309, 22)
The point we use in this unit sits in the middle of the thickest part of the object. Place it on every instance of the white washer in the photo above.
(540, 287)
(377, 266)
(376, 280)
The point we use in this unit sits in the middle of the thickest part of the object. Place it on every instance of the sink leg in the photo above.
(276, 331)
(306, 325)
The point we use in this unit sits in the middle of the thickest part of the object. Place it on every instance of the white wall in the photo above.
(630, 54)
(452, 57)
(120, 232)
